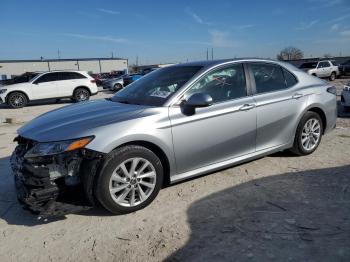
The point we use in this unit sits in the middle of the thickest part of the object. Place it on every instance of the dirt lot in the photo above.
(281, 208)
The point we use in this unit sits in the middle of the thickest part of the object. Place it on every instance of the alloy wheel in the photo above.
(311, 134)
(17, 100)
(132, 182)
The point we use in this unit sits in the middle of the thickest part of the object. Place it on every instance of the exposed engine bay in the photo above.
(56, 184)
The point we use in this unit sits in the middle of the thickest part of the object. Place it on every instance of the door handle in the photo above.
(246, 107)
(297, 96)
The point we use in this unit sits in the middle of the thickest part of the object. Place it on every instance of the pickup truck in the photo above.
(322, 69)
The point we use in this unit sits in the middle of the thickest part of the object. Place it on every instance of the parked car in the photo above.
(176, 123)
(78, 85)
(114, 84)
(128, 79)
(322, 69)
(344, 68)
(345, 97)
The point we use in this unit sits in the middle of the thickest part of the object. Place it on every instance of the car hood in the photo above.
(14, 86)
(78, 120)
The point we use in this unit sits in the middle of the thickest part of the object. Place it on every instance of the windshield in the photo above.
(309, 65)
(157, 87)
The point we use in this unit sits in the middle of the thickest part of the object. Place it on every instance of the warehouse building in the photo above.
(10, 68)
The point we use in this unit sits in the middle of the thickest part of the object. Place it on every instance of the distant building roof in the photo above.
(60, 60)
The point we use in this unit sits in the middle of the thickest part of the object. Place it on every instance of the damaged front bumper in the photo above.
(57, 184)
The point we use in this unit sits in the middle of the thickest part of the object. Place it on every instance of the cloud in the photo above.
(345, 33)
(220, 39)
(108, 11)
(308, 25)
(196, 17)
(335, 27)
(98, 38)
(242, 27)
(339, 19)
(325, 3)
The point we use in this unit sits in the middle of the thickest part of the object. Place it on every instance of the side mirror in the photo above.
(199, 100)
(194, 101)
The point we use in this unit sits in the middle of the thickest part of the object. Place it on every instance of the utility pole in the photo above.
(137, 60)
(212, 53)
(58, 54)
(112, 54)
(207, 54)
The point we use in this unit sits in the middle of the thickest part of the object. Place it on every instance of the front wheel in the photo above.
(130, 179)
(17, 100)
(117, 87)
(308, 135)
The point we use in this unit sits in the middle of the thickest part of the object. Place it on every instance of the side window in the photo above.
(324, 64)
(290, 78)
(268, 77)
(70, 76)
(49, 77)
(221, 84)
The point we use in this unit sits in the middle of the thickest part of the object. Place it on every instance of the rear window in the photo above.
(71, 75)
(268, 77)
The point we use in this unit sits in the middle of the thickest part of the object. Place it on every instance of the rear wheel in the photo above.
(129, 180)
(117, 87)
(332, 76)
(81, 94)
(17, 100)
(308, 135)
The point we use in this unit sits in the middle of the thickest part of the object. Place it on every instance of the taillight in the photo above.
(332, 90)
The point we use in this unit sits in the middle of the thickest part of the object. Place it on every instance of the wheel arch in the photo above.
(85, 87)
(17, 91)
(322, 115)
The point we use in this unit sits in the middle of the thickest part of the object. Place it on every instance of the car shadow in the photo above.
(298, 216)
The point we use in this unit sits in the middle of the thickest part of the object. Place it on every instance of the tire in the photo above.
(116, 194)
(332, 76)
(17, 100)
(302, 133)
(117, 87)
(81, 94)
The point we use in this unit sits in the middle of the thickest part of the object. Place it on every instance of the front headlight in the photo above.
(53, 148)
(3, 91)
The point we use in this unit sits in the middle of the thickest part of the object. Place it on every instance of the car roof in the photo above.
(211, 63)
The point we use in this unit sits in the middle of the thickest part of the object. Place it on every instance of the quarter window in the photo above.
(290, 78)
(268, 77)
(222, 84)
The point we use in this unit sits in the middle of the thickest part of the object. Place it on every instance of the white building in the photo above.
(9, 68)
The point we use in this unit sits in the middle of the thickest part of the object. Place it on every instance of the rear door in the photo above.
(278, 104)
(69, 81)
(324, 69)
(45, 86)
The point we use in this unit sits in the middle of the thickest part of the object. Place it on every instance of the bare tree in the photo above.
(290, 53)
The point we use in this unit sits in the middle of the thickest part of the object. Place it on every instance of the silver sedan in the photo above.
(175, 123)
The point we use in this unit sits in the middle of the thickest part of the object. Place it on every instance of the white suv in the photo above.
(77, 85)
(324, 69)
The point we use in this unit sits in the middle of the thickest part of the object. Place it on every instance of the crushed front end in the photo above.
(55, 184)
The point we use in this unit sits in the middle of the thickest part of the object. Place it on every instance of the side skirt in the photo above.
(227, 163)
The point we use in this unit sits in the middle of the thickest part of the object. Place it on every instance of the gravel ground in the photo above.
(280, 207)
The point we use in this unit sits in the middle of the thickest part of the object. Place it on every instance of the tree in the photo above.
(290, 53)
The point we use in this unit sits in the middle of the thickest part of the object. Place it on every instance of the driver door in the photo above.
(46, 86)
(222, 131)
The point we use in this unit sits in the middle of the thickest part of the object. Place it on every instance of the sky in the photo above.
(172, 31)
